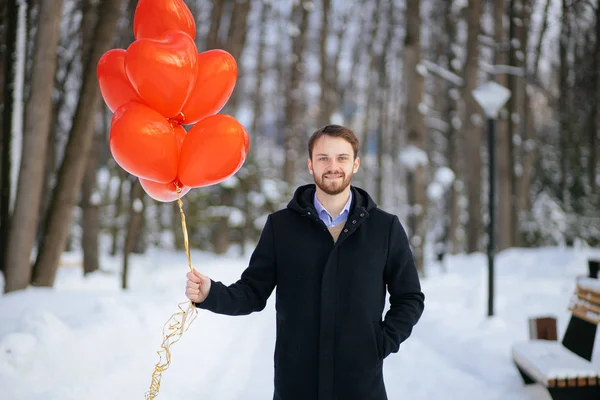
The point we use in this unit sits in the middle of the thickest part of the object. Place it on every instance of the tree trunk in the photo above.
(523, 182)
(473, 135)
(37, 125)
(593, 170)
(115, 226)
(90, 199)
(90, 205)
(503, 134)
(451, 241)
(563, 103)
(383, 107)
(136, 215)
(326, 72)
(72, 169)
(236, 41)
(415, 127)
(294, 98)
(216, 14)
(9, 13)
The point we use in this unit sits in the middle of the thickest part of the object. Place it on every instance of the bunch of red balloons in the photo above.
(161, 83)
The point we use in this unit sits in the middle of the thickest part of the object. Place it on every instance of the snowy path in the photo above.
(87, 340)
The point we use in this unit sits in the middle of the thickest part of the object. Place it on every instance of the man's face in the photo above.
(332, 164)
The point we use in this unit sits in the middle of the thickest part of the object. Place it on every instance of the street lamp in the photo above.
(491, 96)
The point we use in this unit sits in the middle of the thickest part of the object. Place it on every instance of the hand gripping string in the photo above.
(177, 324)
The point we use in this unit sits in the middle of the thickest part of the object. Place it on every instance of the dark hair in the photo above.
(334, 131)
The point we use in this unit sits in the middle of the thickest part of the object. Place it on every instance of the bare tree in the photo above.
(293, 107)
(136, 217)
(37, 123)
(503, 134)
(89, 196)
(594, 123)
(80, 140)
(415, 127)
(523, 180)
(473, 137)
(453, 134)
(563, 100)
(8, 15)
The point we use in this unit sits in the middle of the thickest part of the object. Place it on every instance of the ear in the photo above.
(309, 165)
(356, 164)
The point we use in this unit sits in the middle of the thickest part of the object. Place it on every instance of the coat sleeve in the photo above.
(406, 298)
(256, 284)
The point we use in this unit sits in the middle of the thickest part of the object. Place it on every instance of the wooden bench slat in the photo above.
(584, 314)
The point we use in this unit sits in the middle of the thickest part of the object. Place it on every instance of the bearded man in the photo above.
(332, 255)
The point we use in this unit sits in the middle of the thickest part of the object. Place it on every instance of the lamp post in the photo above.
(491, 96)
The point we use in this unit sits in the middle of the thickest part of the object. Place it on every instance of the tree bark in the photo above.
(383, 133)
(593, 170)
(90, 199)
(454, 158)
(72, 169)
(504, 133)
(326, 66)
(90, 207)
(415, 127)
(523, 182)
(136, 215)
(473, 135)
(563, 102)
(293, 107)
(216, 14)
(37, 124)
(9, 13)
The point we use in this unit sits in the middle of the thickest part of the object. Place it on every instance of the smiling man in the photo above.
(332, 255)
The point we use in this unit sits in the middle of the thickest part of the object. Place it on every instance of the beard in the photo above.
(333, 187)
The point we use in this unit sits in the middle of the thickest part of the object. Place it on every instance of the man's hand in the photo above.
(197, 286)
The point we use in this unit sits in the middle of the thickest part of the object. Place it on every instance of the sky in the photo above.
(87, 339)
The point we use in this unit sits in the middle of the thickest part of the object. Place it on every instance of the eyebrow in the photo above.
(323, 154)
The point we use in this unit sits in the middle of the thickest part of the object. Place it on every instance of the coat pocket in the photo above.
(378, 334)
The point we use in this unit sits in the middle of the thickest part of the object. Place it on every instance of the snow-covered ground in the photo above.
(86, 339)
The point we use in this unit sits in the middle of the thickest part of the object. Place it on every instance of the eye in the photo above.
(343, 158)
(322, 158)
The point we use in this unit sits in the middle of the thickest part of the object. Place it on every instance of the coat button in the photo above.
(309, 213)
(354, 221)
(362, 214)
(345, 230)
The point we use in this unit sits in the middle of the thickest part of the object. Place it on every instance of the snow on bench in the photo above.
(553, 365)
(586, 300)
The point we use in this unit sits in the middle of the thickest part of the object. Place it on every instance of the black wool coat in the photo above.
(331, 338)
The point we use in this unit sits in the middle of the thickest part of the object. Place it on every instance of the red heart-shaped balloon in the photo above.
(163, 71)
(115, 87)
(164, 192)
(153, 18)
(143, 143)
(217, 74)
(213, 150)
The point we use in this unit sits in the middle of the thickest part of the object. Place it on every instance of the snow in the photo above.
(87, 339)
(412, 157)
(445, 176)
(545, 360)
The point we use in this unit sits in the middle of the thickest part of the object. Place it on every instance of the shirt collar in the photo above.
(320, 209)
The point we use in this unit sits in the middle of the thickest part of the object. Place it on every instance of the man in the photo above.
(331, 254)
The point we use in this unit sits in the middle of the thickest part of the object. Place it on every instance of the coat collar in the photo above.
(302, 202)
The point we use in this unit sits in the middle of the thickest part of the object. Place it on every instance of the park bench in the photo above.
(566, 368)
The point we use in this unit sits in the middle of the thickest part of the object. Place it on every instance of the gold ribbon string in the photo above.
(177, 324)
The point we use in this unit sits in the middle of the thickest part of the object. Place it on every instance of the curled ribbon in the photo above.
(177, 324)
